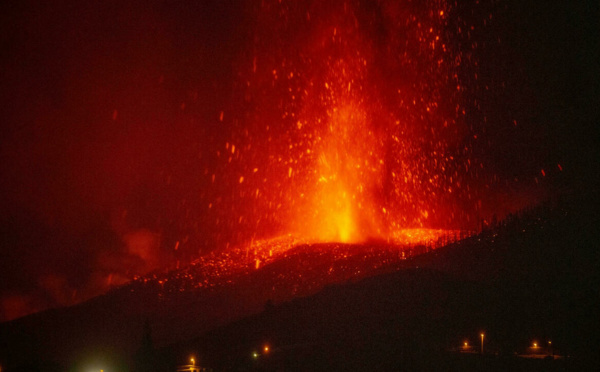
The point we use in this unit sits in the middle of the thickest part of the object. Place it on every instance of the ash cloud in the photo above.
(43, 268)
(104, 142)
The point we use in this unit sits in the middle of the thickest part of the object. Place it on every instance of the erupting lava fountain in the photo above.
(347, 127)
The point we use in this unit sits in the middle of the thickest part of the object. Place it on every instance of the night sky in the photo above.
(117, 117)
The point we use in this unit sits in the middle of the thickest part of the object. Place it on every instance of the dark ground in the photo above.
(532, 277)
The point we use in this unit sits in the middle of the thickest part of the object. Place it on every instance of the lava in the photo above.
(325, 263)
(351, 125)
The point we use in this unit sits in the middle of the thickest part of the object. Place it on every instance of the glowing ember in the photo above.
(425, 236)
(352, 133)
(301, 266)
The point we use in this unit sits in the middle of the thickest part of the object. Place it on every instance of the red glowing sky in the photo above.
(143, 133)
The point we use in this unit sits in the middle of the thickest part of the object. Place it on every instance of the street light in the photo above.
(193, 361)
(482, 335)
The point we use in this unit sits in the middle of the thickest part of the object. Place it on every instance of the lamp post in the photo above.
(482, 335)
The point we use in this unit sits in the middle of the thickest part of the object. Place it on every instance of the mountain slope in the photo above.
(534, 275)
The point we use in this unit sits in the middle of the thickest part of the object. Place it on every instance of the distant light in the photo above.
(255, 355)
(266, 348)
(535, 344)
(482, 335)
(466, 344)
(193, 361)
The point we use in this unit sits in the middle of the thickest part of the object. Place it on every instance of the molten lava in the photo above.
(350, 128)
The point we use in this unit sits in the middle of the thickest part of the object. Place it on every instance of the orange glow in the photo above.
(344, 262)
(422, 236)
(315, 124)
(349, 142)
(346, 139)
(266, 349)
(346, 164)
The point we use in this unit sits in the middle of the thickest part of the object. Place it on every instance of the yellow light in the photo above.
(193, 361)
(535, 344)
(255, 355)
(266, 349)
(482, 343)
(466, 344)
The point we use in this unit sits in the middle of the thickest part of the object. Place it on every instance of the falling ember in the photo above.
(357, 134)
(347, 171)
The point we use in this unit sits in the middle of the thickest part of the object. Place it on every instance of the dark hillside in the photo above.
(533, 276)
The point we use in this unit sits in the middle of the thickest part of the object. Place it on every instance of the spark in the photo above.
(339, 137)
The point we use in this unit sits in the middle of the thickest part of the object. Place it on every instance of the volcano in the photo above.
(170, 168)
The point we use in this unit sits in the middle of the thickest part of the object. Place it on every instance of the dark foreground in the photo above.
(532, 278)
